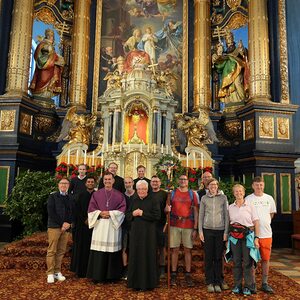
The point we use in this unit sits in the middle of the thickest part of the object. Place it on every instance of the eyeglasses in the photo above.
(183, 179)
(64, 183)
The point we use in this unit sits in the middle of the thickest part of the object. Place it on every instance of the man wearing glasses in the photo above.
(183, 227)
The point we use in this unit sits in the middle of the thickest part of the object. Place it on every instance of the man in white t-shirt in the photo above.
(265, 208)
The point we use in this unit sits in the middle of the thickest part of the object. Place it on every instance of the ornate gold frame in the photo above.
(97, 43)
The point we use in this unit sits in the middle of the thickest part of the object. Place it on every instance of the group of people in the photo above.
(118, 231)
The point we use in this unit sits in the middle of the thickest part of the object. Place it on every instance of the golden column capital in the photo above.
(80, 54)
(284, 70)
(259, 57)
(19, 48)
(202, 57)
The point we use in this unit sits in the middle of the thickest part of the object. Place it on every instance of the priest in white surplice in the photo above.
(105, 215)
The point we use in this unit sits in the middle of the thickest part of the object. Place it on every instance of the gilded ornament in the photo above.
(237, 21)
(249, 129)
(283, 128)
(233, 128)
(45, 15)
(44, 125)
(266, 127)
(7, 120)
(233, 4)
(25, 123)
(77, 128)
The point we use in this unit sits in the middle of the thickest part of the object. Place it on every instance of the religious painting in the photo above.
(25, 123)
(149, 31)
(7, 120)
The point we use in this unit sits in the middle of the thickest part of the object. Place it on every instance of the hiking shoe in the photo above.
(246, 291)
(267, 289)
(125, 273)
(217, 289)
(210, 288)
(237, 290)
(59, 276)
(224, 286)
(189, 281)
(50, 278)
(173, 280)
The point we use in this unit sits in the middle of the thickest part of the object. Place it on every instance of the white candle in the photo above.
(148, 148)
(77, 156)
(107, 147)
(84, 158)
(102, 159)
(172, 154)
(167, 149)
(69, 152)
(141, 147)
(194, 160)
(162, 149)
(202, 161)
(187, 159)
(178, 156)
(93, 159)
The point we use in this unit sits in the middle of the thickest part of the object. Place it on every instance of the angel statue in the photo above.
(77, 128)
(198, 130)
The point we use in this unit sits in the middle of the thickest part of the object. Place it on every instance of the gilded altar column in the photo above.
(202, 43)
(80, 53)
(19, 48)
(284, 71)
(259, 51)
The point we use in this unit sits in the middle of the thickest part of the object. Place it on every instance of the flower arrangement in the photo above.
(65, 170)
(194, 176)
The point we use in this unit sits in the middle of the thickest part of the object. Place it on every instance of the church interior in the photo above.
(199, 83)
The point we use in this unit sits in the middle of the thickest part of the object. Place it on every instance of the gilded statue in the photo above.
(77, 128)
(46, 81)
(198, 130)
(113, 80)
(232, 65)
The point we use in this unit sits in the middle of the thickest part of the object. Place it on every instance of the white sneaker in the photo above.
(50, 278)
(59, 276)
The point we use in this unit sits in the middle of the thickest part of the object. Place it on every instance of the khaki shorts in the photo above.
(181, 235)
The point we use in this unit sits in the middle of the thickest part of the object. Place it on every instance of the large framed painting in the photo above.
(158, 28)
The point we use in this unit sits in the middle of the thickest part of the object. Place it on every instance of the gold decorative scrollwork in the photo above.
(44, 125)
(233, 128)
(237, 21)
(266, 127)
(7, 120)
(25, 123)
(249, 129)
(45, 15)
(233, 4)
(283, 128)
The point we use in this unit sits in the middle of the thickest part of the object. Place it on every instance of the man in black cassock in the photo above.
(119, 181)
(82, 233)
(141, 170)
(77, 184)
(160, 196)
(142, 215)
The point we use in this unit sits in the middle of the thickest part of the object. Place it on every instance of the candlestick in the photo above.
(167, 149)
(77, 156)
(179, 156)
(148, 148)
(187, 159)
(172, 154)
(194, 160)
(162, 149)
(69, 153)
(202, 161)
(84, 158)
